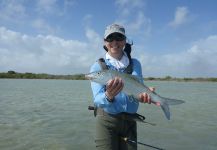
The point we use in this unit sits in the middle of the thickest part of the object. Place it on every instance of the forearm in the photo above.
(99, 95)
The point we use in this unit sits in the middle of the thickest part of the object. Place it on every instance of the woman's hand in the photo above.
(113, 87)
(145, 98)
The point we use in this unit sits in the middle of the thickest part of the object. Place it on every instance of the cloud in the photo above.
(127, 6)
(181, 17)
(200, 60)
(46, 6)
(42, 26)
(51, 54)
(141, 26)
(17, 13)
(48, 54)
(130, 14)
(54, 7)
(12, 10)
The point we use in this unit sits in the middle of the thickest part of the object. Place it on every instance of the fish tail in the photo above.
(165, 107)
(171, 101)
(165, 102)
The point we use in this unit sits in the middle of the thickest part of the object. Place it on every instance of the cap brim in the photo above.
(114, 32)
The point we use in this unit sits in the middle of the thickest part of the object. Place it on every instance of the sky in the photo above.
(175, 38)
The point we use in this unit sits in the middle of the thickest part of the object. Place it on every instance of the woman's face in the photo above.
(115, 44)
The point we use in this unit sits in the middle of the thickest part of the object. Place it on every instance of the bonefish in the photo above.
(133, 87)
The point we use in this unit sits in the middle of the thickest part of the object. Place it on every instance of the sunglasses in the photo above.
(116, 37)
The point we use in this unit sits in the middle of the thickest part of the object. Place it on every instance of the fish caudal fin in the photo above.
(166, 109)
(165, 105)
(171, 101)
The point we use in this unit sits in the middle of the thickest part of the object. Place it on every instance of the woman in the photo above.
(114, 106)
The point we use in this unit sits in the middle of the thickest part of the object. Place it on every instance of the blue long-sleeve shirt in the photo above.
(122, 102)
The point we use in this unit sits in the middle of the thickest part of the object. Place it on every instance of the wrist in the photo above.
(108, 97)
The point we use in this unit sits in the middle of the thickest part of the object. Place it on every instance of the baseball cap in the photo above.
(114, 28)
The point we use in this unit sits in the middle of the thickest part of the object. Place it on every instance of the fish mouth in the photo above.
(89, 77)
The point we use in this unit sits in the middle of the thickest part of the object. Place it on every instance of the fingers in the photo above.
(118, 85)
(114, 86)
(145, 98)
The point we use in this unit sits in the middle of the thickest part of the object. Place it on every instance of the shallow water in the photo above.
(53, 115)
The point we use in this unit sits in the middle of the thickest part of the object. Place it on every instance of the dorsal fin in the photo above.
(102, 64)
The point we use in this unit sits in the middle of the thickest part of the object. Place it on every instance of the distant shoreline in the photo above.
(27, 75)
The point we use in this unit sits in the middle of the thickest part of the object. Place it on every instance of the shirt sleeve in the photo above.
(137, 69)
(100, 99)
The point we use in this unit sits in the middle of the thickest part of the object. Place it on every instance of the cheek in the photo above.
(122, 43)
(108, 45)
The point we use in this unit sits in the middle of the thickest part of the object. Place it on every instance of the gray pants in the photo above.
(111, 129)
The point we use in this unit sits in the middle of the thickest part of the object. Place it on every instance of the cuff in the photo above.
(108, 99)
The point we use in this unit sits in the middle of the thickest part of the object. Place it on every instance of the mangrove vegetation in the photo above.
(16, 75)
(28, 75)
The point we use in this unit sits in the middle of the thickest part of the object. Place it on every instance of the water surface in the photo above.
(53, 115)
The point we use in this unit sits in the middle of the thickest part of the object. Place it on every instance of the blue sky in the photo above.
(171, 37)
